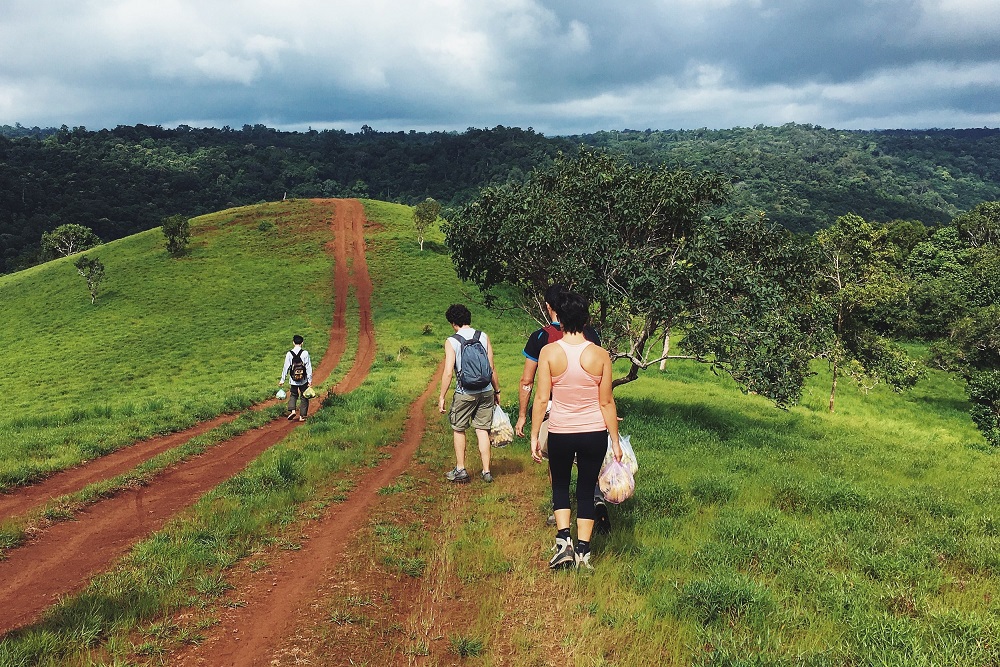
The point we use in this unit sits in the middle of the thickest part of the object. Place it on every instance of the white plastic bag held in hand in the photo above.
(502, 431)
(628, 454)
(616, 482)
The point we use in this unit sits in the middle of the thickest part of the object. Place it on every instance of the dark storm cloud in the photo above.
(560, 66)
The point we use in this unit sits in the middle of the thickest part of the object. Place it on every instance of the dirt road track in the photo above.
(247, 636)
(66, 555)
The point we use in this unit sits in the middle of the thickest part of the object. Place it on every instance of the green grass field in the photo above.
(756, 536)
(169, 341)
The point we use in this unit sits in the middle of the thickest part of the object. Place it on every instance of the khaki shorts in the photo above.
(472, 409)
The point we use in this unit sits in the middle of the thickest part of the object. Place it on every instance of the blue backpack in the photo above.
(474, 371)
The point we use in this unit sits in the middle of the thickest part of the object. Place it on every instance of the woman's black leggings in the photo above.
(589, 450)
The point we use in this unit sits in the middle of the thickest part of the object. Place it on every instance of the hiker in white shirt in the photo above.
(298, 368)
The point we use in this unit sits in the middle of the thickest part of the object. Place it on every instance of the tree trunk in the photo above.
(666, 349)
(833, 389)
(421, 244)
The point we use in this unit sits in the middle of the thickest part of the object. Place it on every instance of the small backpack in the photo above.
(297, 371)
(474, 371)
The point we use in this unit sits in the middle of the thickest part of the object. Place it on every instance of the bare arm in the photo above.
(449, 369)
(543, 390)
(609, 410)
(524, 394)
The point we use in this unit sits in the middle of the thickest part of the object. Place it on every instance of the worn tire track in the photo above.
(248, 635)
(64, 558)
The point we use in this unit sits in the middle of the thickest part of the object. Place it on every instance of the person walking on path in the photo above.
(468, 355)
(298, 368)
(576, 374)
(532, 349)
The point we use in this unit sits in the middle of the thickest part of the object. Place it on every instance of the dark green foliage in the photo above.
(177, 231)
(68, 239)
(127, 179)
(805, 176)
(981, 225)
(639, 242)
(984, 393)
(862, 285)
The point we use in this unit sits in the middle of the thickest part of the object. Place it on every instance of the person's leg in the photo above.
(459, 450)
(482, 421)
(483, 438)
(590, 451)
(561, 469)
(590, 455)
(291, 398)
(460, 417)
(602, 520)
(304, 405)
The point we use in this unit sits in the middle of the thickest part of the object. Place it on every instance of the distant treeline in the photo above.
(125, 180)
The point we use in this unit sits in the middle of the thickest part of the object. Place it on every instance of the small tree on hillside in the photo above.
(177, 230)
(68, 239)
(860, 284)
(92, 271)
(425, 214)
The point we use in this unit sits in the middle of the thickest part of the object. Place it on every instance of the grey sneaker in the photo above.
(583, 561)
(565, 556)
(551, 521)
(487, 477)
(456, 475)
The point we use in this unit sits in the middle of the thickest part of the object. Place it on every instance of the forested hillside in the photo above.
(804, 177)
(125, 180)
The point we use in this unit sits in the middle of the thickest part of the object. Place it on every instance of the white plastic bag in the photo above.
(628, 454)
(280, 395)
(502, 431)
(616, 482)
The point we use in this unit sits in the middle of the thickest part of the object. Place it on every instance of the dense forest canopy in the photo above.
(127, 179)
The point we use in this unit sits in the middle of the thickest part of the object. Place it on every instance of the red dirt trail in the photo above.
(246, 636)
(66, 555)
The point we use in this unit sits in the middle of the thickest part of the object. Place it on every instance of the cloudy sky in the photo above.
(559, 66)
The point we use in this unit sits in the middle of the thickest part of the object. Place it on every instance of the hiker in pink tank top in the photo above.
(576, 375)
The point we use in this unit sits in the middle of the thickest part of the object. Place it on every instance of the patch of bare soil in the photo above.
(372, 605)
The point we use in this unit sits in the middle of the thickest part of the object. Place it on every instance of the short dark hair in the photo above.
(553, 296)
(574, 312)
(297, 339)
(458, 315)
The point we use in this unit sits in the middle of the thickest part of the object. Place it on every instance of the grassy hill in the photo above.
(168, 342)
(756, 536)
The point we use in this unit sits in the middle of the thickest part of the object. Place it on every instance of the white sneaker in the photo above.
(565, 556)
